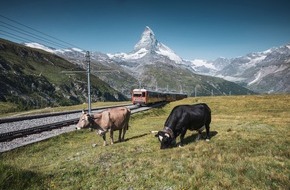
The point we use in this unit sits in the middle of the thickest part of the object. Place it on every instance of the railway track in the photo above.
(9, 136)
(37, 116)
(38, 129)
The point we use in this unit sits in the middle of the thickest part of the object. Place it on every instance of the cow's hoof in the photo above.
(94, 145)
(180, 146)
(207, 140)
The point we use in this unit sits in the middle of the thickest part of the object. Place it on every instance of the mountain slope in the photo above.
(34, 78)
(264, 72)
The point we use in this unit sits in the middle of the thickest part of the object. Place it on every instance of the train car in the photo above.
(145, 97)
(174, 96)
(180, 96)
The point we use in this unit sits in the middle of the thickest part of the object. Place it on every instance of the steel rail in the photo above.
(13, 119)
(38, 129)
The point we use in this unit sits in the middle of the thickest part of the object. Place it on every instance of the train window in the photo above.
(137, 95)
(143, 94)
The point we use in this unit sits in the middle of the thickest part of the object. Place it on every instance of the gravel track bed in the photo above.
(17, 125)
(6, 146)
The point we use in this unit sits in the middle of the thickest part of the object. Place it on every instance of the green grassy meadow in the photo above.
(249, 149)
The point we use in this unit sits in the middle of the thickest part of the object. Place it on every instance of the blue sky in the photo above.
(196, 29)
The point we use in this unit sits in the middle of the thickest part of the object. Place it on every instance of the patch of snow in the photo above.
(39, 46)
(200, 63)
(77, 49)
(62, 51)
(281, 68)
(110, 55)
(124, 56)
(266, 71)
(257, 78)
(268, 51)
(136, 55)
(253, 61)
(230, 78)
(166, 51)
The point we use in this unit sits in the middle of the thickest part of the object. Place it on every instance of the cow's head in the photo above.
(85, 121)
(88, 121)
(166, 139)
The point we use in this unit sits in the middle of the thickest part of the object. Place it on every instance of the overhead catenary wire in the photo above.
(26, 33)
(22, 32)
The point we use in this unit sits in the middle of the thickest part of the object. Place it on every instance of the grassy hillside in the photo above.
(249, 149)
(33, 78)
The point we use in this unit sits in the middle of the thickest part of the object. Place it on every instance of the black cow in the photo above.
(181, 118)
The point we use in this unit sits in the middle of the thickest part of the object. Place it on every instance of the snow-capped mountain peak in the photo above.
(147, 41)
(147, 46)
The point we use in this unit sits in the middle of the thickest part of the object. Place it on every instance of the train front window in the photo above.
(143, 94)
(137, 95)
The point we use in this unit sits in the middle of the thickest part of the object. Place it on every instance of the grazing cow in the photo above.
(109, 120)
(181, 118)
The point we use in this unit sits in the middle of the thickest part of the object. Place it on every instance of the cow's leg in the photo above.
(182, 134)
(124, 132)
(104, 138)
(207, 132)
(199, 133)
(120, 134)
(112, 136)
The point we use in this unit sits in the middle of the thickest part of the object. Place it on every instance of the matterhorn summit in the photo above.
(147, 41)
(148, 49)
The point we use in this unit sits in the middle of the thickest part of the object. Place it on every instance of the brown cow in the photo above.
(109, 120)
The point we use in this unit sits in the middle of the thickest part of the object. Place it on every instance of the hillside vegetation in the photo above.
(249, 149)
(33, 78)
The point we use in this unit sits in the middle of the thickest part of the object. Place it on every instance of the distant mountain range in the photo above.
(153, 65)
(263, 72)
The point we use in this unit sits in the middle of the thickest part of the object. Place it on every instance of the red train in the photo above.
(145, 97)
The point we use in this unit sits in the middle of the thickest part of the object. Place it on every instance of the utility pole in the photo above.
(88, 61)
(89, 80)
(156, 87)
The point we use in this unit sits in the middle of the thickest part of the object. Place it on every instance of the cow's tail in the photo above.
(128, 118)
(208, 118)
